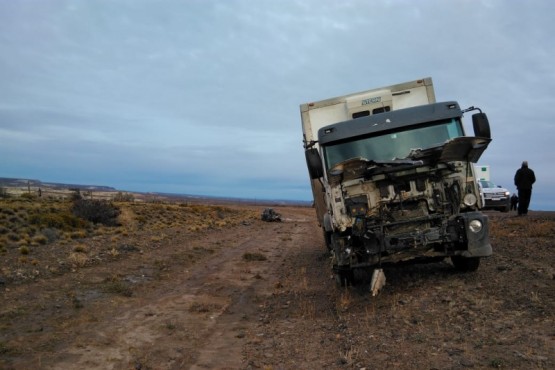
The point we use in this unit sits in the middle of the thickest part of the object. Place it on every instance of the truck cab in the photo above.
(395, 182)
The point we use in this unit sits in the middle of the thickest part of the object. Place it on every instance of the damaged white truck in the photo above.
(393, 179)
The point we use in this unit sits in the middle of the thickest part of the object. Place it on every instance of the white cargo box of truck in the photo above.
(318, 114)
(482, 173)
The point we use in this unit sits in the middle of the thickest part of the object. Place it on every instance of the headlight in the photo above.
(469, 200)
(475, 226)
(507, 193)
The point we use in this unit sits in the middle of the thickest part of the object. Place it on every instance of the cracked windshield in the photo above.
(395, 145)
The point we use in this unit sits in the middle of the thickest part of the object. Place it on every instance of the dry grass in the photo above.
(307, 308)
(345, 300)
(199, 307)
(43, 220)
(47, 232)
(78, 259)
(115, 285)
(254, 257)
(522, 227)
(349, 357)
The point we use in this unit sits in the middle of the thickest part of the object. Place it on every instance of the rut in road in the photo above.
(196, 318)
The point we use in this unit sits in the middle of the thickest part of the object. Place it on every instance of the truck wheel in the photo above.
(343, 278)
(506, 209)
(465, 264)
(362, 276)
(327, 239)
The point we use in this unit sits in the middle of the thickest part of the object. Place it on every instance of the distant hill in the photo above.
(33, 185)
(11, 182)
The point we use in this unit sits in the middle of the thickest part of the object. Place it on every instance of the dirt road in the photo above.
(260, 295)
(182, 313)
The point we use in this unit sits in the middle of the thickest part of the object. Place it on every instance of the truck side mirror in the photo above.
(314, 163)
(481, 125)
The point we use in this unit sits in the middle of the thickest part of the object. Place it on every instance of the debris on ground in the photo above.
(269, 215)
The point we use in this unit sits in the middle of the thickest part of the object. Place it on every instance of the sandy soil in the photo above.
(260, 295)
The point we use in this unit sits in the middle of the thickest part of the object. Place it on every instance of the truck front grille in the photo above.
(398, 219)
(406, 210)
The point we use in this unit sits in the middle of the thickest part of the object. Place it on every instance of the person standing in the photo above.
(514, 202)
(524, 178)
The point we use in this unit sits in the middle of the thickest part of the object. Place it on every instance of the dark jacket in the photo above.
(524, 178)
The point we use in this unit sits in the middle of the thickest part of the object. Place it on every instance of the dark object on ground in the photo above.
(96, 211)
(270, 215)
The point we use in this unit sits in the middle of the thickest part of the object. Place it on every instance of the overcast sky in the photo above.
(202, 97)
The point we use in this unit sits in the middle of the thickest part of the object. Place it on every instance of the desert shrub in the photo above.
(254, 257)
(198, 307)
(4, 193)
(30, 230)
(96, 211)
(78, 234)
(24, 239)
(28, 196)
(116, 286)
(124, 197)
(78, 258)
(50, 234)
(7, 211)
(75, 195)
(40, 239)
(4, 349)
(59, 220)
(14, 219)
(80, 248)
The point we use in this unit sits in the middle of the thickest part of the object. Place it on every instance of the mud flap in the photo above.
(378, 282)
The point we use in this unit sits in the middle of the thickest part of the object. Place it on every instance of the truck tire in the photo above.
(327, 239)
(465, 264)
(343, 277)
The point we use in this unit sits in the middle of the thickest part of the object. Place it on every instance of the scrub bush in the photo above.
(96, 211)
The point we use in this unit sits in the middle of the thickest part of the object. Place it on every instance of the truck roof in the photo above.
(365, 97)
(388, 121)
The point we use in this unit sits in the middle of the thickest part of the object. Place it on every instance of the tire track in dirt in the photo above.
(198, 318)
(223, 349)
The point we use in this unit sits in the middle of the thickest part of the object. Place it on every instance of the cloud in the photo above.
(203, 96)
